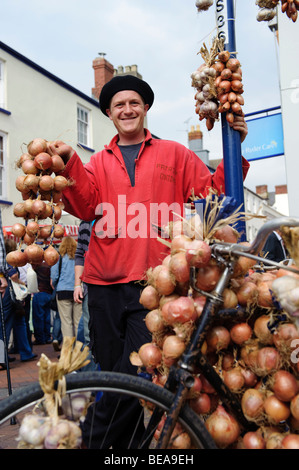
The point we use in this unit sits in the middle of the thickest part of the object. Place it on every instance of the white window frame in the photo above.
(83, 125)
(3, 178)
(2, 84)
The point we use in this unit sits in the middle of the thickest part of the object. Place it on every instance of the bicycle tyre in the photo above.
(114, 382)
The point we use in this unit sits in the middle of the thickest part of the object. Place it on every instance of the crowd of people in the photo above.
(51, 310)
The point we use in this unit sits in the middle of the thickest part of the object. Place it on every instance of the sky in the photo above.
(163, 38)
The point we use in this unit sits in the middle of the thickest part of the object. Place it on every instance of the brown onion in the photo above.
(45, 231)
(198, 253)
(264, 296)
(218, 338)
(201, 404)
(230, 299)
(57, 164)
(163, 280)
(154, 321)
(233, 64)
(227, 233)
(17, 258)
(285, 385)
(19, 210)
(250, 379)
(60, 183)
(254, 440)
(36, 146)
(51, 256)
(35, 254)
(28, 240)
(38, 207)
(48, 212)
(247, 294)
(262, 331)
(31, 182)
(276, 409)
(32, 229)
(223, 427)
(243, 264)
(173, 347)
(20, 183)
(18, 230)
(180, 310)
(57, 212)
(234, 379)
(23, 157)
(46, 183)
(207, 277)
(28, 205)
(252, 404)
(43, 161)
(291, 441)
(179, 243)
(240, 333)
(150, 355)
(284, 335)
(29, 167)
(268, 360)
(179, 267)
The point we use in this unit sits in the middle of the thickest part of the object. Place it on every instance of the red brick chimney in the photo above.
(103, 72)
(262, 191)
(281, 189)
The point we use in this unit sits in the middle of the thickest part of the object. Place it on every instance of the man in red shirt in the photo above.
(135, 182)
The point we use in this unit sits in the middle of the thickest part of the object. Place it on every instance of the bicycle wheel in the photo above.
(118, 385)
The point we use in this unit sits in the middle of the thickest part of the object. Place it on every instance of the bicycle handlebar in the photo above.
(258, 243)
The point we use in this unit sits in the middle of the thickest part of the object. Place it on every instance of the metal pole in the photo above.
(232, 157)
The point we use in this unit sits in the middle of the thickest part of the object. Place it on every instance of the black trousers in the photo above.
(117, 328)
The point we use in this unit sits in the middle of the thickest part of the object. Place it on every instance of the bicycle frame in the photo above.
(180, 378)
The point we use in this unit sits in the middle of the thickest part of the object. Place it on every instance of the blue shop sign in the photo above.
(264, 139)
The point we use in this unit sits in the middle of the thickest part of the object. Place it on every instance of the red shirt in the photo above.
(123, 244)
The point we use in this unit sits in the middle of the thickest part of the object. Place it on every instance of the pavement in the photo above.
(24, 373)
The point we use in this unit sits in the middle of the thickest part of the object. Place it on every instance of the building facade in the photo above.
(35, 103)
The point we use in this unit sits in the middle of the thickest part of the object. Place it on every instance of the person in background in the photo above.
(81, 290)
(274, 248)
(63, 280)
(132, 174)
(3, 264)
(15, 315)
(41, 302)
(27, 302)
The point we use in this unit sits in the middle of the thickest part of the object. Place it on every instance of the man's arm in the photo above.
(78, 288)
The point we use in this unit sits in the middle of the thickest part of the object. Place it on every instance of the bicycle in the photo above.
(168, 401)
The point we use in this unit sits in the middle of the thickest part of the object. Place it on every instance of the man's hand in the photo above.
(3, 285)
(240, 125)
(63, 150)
(78, 295)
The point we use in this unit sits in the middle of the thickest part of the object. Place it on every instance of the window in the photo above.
(1, 84)
(83, 125)
(2, 163)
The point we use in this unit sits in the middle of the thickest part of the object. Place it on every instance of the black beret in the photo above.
(121, 83)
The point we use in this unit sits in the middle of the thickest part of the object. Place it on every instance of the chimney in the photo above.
(262, 191)
(195, 134)
(281, 189)
(103, 72)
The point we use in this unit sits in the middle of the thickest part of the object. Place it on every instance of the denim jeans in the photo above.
(41, 317)
(18, 322)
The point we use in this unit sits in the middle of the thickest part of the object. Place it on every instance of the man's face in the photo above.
(127, 111)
